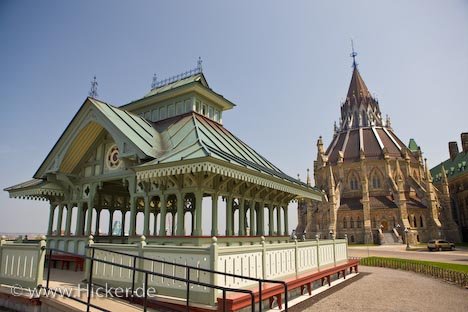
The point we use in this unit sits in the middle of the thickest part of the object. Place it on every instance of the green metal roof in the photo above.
(453, 168)
(192, 136)
(35, 188)
(136, 129)
(413, 146)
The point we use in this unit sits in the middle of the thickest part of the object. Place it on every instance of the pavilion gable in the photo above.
(134, 137)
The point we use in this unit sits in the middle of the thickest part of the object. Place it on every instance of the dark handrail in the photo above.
(146, 272)
(259, 280)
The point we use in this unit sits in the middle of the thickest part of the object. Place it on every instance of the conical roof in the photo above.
(357, 86)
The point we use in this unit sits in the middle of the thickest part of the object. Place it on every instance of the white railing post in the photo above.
(346, 243)
(318, 251)
(264, 276)
(296, 252)
(89, 253)
(334, 249)
(140, 263)
(214, 267)
(41, 260)
(2, 242)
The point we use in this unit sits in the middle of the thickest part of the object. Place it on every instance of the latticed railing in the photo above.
(455, 277)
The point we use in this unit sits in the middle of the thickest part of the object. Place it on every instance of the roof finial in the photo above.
(353, 54)
(199, 64)
(155, 81)
(93, 91)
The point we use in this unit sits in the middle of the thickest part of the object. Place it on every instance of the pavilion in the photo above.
(159, 158)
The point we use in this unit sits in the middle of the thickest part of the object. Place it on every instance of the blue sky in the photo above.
(285, 64)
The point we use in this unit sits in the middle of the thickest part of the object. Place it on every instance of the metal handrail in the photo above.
(188, 267)
(146, 272)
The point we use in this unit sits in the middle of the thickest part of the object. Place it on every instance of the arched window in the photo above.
(345, 223)
(353, 181)
(358, 222)
(376, 179)
(352, 223)
(414, 221)
(421, 223)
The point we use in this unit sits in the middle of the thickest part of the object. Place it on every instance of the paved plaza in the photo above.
(378, 289)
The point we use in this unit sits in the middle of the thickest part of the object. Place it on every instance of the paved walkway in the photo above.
(387, 290)
(459, 256)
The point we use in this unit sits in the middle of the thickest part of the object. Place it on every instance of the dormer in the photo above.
(180, 94)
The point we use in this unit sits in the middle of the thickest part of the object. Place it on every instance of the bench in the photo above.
(66, 260)
(237, 301)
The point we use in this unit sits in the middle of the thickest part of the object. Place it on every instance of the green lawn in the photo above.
(449, 266)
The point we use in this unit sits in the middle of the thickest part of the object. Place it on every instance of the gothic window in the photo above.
(353, 181)
(345, 223)
(352, 223)
(414, 221)
(376, 178)
(421, 223)
(358, 222)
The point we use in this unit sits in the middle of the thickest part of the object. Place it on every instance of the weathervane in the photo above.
(93, 92)
(155, 81)
(199, 64)
(353, 54)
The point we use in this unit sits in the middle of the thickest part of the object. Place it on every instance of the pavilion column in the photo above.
(98, 222)
(69, 219)
(253, 230)
(270, 219)
(146, 230)
(124, 214)
(155, 225)
(198, 213)
(180, 214)
(214, 214)
(59, 220)
(162, 218)
(229, 216)
(241, 216)
(286, 224)
(133, 215)
(51, 219)
(80, 220)
(278, 220)
(89, 216)
(111, 221)
(261, 219)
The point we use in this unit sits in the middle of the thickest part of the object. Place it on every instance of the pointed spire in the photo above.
(353, 54)
(444, 175)
(308, 177)
(357, 87)
(93, 91)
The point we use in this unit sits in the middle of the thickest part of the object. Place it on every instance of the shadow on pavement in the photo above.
(310, 302)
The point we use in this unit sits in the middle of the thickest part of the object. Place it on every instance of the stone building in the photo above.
(376, 189)
(451, 176)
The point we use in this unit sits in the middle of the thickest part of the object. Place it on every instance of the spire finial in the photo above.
(93, 91)
(353, 54)
(154, 82)
(199, 64)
